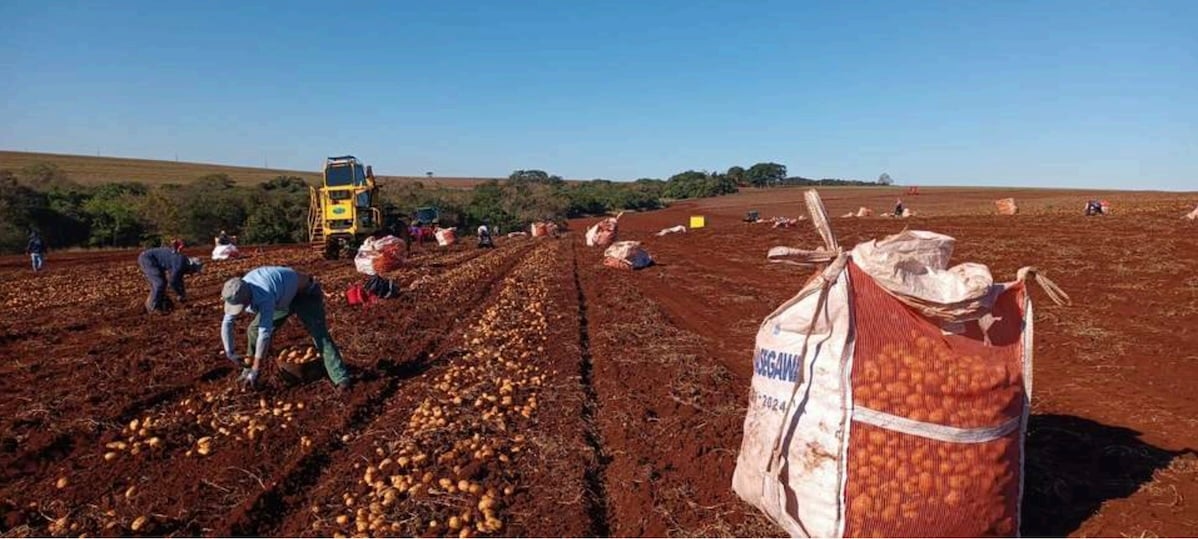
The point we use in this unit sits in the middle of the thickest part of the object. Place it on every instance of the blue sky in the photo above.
(1040, 93)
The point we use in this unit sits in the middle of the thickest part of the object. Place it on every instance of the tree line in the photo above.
(126, 214)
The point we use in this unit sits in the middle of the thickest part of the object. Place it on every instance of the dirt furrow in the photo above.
(209, 405)
(669, 414)
(597, 502)
(271, 507)
(167, 369)
(469, 450)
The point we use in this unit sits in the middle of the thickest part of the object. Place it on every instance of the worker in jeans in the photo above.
(36, 249)
(162, 266)
(273, 294)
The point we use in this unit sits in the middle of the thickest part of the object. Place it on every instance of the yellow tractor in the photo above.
(344, 209)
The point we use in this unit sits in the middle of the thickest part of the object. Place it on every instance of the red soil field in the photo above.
(528, 390)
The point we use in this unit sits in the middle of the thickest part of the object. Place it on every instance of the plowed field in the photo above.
(528, 390)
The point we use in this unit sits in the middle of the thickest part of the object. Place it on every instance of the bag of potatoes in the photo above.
(890, 396)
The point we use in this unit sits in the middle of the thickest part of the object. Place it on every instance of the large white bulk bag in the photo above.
(890, 395)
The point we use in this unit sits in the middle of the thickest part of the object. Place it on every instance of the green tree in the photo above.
(18, 204)
(112, 212)
(287, 184)
(487, 204)
(737, 174)
(163, 213)
(534, 176)
(275, 221)
(766, 174)
(211, 204)
(696, 184)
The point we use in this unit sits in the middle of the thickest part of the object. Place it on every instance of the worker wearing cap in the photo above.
(163, 265)
(273, 293)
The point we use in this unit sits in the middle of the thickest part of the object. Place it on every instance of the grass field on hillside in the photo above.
(93, 170)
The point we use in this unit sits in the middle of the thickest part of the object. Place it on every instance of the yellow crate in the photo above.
(698, 221)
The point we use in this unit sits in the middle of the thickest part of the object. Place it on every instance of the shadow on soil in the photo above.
(1074, 465)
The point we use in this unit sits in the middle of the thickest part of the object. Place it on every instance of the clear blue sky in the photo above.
(1083, 93)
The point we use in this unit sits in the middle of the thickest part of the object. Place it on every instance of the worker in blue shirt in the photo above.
(272, 294)
(36, 249)
(165, 265)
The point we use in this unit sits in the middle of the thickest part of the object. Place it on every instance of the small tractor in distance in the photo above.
(424, 223)
(344, 209)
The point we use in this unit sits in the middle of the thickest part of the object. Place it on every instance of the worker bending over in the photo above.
(163, 265)
(274, 293)
(484, 236)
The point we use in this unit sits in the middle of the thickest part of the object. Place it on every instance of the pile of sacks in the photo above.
(672, 230)
(544, 229)
(861, 212)
(784, 222)
(1192, 215)
(627, 255)
(603, 233)
(1006, 206)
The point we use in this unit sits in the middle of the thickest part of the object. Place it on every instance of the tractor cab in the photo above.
(424, 223)
(351, 191)
(427, 216)
(345, 207)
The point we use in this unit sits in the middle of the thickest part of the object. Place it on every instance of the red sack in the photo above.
(359, 295)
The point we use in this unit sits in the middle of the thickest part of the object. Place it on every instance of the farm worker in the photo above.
(484, 236)
(398, 230)
(177, 245)
(36, 249)
(898, 207)
(222, 238)
(273, 293)
(160, 266)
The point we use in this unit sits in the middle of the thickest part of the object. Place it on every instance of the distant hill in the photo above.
(93, 170)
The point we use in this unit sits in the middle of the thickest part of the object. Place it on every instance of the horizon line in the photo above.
(465, 178)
